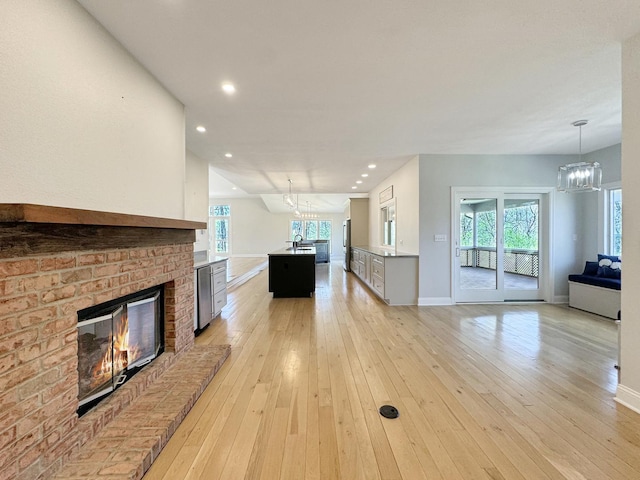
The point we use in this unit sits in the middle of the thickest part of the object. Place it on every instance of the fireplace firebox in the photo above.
(115, 340)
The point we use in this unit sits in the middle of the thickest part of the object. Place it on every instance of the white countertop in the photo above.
(212, 259)
(382, 251)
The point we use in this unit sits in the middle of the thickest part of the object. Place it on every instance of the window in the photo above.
(219, 217)
(324, 229)
(297, 228)
(219, 211)
(614, 227)
(311, 229)
(521, 225)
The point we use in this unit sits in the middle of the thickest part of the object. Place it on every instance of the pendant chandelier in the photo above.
(289, 199)
(308, 214)
(580, 176)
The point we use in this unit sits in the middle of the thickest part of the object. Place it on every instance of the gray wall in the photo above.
(591, 242)
(570, 218)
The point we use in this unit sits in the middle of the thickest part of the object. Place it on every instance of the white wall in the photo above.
(82, 124)
(438, 173)
(629, 388)
(255, 231)
(406, 191)
(196, 197)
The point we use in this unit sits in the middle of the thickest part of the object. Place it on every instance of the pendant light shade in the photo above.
(580, 176)
(289, 199)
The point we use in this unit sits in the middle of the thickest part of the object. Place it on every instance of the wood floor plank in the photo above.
(484, 392)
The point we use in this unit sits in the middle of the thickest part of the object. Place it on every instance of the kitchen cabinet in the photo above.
(292, 272)
(219, 286)
(322, 251)
(391, 276)
(210, 277)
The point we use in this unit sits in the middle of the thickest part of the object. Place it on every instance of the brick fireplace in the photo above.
(53, 263)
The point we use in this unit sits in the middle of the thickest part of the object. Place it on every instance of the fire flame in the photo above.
(117, 358)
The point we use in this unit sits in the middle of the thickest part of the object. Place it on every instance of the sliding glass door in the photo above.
(497, 247)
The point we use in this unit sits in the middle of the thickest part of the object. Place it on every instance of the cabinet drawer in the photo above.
(219, 281)
(219, 301)
(377, 267)
(378, 284)
(219, 267)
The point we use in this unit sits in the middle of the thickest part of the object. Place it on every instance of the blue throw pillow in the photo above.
(609, 267)
(590, 268)
(613, 258)
(608, 272)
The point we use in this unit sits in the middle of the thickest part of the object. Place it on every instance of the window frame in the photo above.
(212, 228)
(605, 220)
(304, 222)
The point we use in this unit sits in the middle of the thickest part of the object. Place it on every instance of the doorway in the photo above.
(500, 246)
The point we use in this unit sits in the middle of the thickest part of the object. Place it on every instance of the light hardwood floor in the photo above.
(240, 269)
(484, 392)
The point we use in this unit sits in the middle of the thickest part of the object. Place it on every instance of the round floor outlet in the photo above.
(389, 411)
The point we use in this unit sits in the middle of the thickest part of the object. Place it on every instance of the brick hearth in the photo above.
(164, 393)
(54, 262)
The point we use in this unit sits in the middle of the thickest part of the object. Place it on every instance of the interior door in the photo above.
(497, 247)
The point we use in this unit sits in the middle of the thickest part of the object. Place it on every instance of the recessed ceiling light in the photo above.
(201, 129)
(228, 88)
(372, 166)
(364, 175)
(228, 155)
(234, 188)
(358, 181)
(354, 187)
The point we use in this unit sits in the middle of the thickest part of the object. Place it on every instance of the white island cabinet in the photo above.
(392, 276)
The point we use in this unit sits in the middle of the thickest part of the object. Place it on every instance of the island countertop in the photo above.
(285, 252)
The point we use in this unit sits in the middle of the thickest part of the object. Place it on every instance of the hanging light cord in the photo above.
(580, 124)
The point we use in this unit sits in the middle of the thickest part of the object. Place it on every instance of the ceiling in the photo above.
(326, 88)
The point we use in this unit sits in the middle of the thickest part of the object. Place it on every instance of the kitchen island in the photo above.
(292, 272)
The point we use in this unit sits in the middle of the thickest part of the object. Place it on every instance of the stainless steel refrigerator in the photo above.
(346, 244)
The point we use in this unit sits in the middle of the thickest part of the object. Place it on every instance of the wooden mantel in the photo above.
(30, 213)
(27, 229)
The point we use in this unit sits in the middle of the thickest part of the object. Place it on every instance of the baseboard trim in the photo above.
(628, 397)
(559, 299)
(434, 301)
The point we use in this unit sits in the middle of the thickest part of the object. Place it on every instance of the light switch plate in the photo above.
(440, 238)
